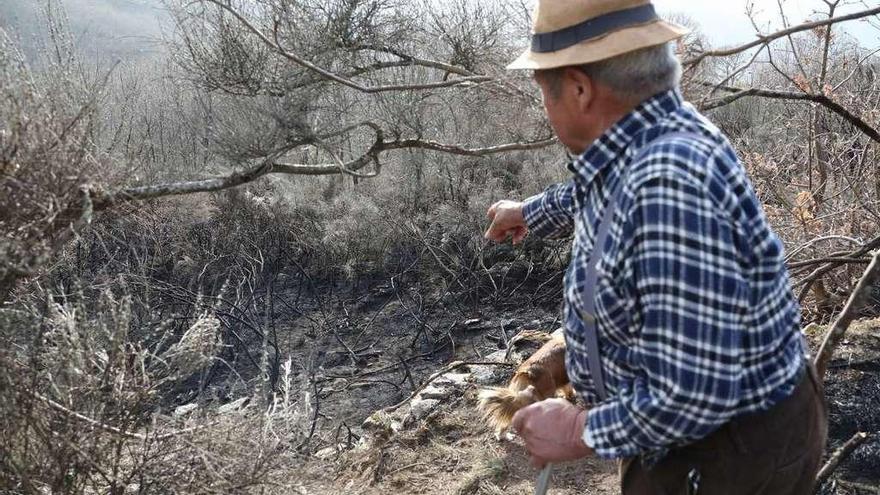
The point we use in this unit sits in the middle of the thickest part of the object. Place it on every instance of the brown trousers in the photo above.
(775, 452)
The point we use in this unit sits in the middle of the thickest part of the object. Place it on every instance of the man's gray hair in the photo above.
(633, 76)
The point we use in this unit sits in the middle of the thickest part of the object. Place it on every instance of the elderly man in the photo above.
(681, 330)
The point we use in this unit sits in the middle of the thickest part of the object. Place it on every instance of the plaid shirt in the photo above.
(696, 318)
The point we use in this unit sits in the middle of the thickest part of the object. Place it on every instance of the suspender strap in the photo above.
(588, 315)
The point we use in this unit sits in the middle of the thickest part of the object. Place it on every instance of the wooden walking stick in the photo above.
(543, 483)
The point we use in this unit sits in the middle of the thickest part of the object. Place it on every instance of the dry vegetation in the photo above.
(153, 340)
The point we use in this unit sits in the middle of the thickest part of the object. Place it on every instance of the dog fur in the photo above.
(541, 376)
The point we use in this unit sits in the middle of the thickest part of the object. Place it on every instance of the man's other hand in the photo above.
(507, 220)
(553, 431)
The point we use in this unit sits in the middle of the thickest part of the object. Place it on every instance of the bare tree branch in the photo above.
(857, 301)
(819, 261)
(110, 428)
(823, 100)
(272, 166)
(839, 455)
(766, 39)
(791, 254)
(460, 150)
(275, 46)
(819, 272)
(408, 59)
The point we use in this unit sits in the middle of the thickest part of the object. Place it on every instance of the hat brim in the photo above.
(612, 44)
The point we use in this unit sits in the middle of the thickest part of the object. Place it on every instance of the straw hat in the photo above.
(574, 32)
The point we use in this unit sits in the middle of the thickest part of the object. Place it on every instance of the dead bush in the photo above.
(82, 403)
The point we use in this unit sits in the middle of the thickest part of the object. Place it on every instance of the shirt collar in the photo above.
(611, 145)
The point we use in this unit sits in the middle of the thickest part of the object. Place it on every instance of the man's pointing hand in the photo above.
(507, 220)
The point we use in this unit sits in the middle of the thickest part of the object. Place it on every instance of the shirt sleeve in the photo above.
(550, 215)
(691, 298)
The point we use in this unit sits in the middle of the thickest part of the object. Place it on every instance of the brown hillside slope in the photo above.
(444, 447)
(450, 451)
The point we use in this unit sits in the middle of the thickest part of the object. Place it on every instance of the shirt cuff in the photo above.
(532, 209)
(605, 432)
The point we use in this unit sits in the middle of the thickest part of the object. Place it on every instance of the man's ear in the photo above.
(585, 91)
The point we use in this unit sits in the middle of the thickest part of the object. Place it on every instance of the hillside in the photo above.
(227, 263)
(104, 30)
(445, 448)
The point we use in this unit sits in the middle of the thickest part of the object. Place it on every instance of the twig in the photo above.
(856, 302)
(408, 466)
(767, 38)
(859, 487)
(85, 419)
(315, 415)
(370, 321)
(839, 455)
(822, 270)
(109, 428)
(867, 365)
(819, 261)
(366, 383)
(408, 375)
(383, 369)
(811, 242)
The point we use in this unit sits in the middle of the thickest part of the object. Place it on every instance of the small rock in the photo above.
(233, 406)
(433, 392)
(490, 375)
(328, 452)
(184, 410)
(452, 380)
(475, 324)
(510, 324)
(378, 421)
(421, 408)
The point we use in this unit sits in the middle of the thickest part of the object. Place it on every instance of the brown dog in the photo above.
(541, 376)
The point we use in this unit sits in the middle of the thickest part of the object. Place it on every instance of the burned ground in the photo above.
(451, 450)
(852, 390)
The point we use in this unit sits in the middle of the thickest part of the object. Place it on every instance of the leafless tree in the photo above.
(818, 181)
(290, 91)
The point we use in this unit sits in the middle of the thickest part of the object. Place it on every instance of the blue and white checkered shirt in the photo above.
(696, 318)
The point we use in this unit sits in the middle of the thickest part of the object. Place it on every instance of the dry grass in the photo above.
(82, 401)
(452, 451)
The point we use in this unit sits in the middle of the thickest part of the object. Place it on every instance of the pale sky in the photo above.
(725, 22)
